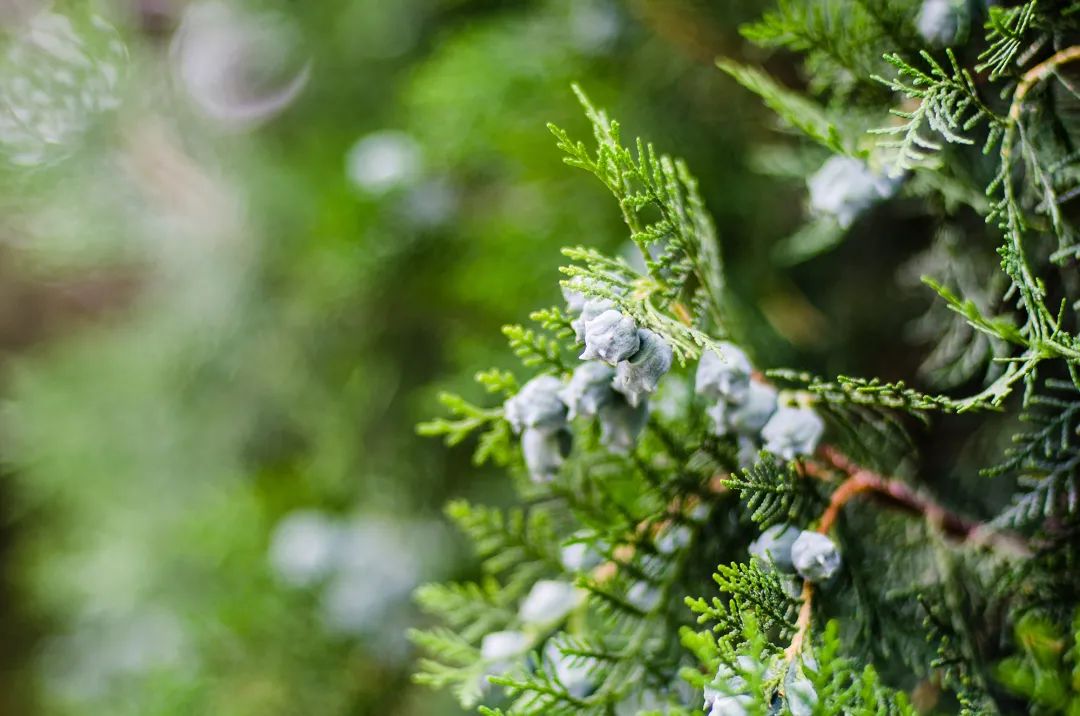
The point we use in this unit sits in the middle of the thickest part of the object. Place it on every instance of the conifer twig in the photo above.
(802, 624)
(861, 480)
(1037, 74)
(899, 493)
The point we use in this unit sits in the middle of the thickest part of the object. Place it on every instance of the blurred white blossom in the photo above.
(303, 547)
(103, 647)
(376, 567)
(939, 21)
(238, 67)
(367, 565)
(673, 539)
(643, 595)
(580, 556)
(572, 673)
(545, 452)
(594, 25)
(56, 76)
(621, 424)
(431, 203)
(845, 187)
(549, 601)
(382, 161)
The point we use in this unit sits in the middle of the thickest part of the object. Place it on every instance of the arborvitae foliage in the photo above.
(844, 585)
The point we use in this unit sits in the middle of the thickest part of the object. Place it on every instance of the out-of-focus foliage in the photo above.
(241, 240)
(1045, 671)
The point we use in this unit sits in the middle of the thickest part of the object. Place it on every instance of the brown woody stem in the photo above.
(860, 480)
(1037, 74)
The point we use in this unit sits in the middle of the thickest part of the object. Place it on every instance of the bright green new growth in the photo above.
(641, 534)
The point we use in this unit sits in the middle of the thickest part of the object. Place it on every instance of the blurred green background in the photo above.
(243, 247)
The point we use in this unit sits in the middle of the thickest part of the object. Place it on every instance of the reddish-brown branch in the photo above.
(682, 313)
(860, 480)
(899, 494)
(1037, 74)
(802, 624)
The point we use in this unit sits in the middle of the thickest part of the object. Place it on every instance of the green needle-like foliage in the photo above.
(857, 575)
